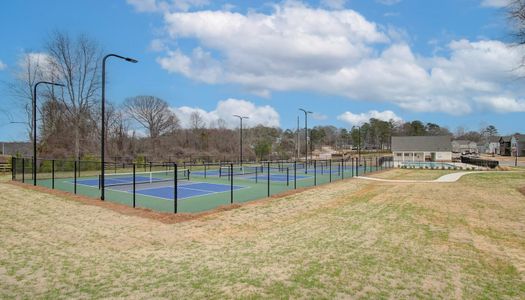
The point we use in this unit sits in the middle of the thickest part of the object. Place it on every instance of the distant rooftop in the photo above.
(422, 143)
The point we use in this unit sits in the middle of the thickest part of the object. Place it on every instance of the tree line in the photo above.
(69, 118)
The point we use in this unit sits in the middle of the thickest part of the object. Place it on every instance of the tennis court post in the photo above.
(134, 185)
(13, 167)
(268, 179)
(175, 185)
(342, 168)
(53, 174)
(330, 168)
(295, 174)
(75, 171)
(231, 183)
(315, 172)
(23, 170)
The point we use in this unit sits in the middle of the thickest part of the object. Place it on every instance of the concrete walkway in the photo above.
(453, 177)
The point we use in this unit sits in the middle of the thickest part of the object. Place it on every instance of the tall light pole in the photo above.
(297, 153)
(34, 124)
(306, 137)
(103, 127)
(240, 144)
(358, 149)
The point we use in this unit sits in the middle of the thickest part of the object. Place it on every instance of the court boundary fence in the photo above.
(54, 169)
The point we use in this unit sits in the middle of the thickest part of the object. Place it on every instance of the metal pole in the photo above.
(175, 188)
(315, 172)
(306, 137)
(13, 167)
(268, 179)
(75, 171)
(134, 185)
(53, 174)
(295, 175)
(231, 183)
(103, 119)
(34, 124)
(330, 169)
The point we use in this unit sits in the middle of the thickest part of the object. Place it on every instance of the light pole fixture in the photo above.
(306, 112)
(103, 116)
(34, 123)
(240, 145)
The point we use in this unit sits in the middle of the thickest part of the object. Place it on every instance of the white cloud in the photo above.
(258, 115)
(502, 104)
(2, 65)
(388, 2)
(319, 116)
(166, 5)
(39, 62)
(495, 3)
(338, 52)
(358, 119)
(334, 4)
(144, 5)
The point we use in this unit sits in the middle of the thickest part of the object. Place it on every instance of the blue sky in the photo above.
(448, 62)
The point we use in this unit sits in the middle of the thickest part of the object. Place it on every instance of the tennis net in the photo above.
(144, 177)
(238, 171)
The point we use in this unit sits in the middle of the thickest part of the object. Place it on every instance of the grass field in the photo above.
(412, 174)
(352, 239)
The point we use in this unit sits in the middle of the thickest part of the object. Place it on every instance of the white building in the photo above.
(421, 148)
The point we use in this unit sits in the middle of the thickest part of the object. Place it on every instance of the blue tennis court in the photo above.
(186, 190)
(117, 181)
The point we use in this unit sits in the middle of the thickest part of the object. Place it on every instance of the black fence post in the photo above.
(342, 169)
(295, 174)
(315, 172)
(23, 170)
(13, 167)
(256, 174)
(287, 176)
(134, 186)
(357, 162)
(53, 174)
(231, 184)
(268, 178)
(75, 171)
(330, 169)
(205, 169)
(175, 188)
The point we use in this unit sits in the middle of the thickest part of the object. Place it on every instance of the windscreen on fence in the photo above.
(187, 187)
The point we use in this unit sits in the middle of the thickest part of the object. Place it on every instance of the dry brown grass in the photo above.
(412, 174)
(350, 239)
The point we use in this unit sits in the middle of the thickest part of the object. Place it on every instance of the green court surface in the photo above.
(203, 191)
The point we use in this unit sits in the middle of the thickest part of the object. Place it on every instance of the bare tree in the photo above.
(29, 71)
(75, 63)
(152, 113)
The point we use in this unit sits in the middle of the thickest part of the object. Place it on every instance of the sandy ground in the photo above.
(350, 239)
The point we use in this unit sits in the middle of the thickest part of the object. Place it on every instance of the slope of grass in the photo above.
(348, 239)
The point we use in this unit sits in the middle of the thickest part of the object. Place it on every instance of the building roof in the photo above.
(520, 137)
(422, 143)
(505, 139)
(464, 142)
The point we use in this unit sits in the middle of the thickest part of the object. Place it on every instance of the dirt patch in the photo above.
(522, 190)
